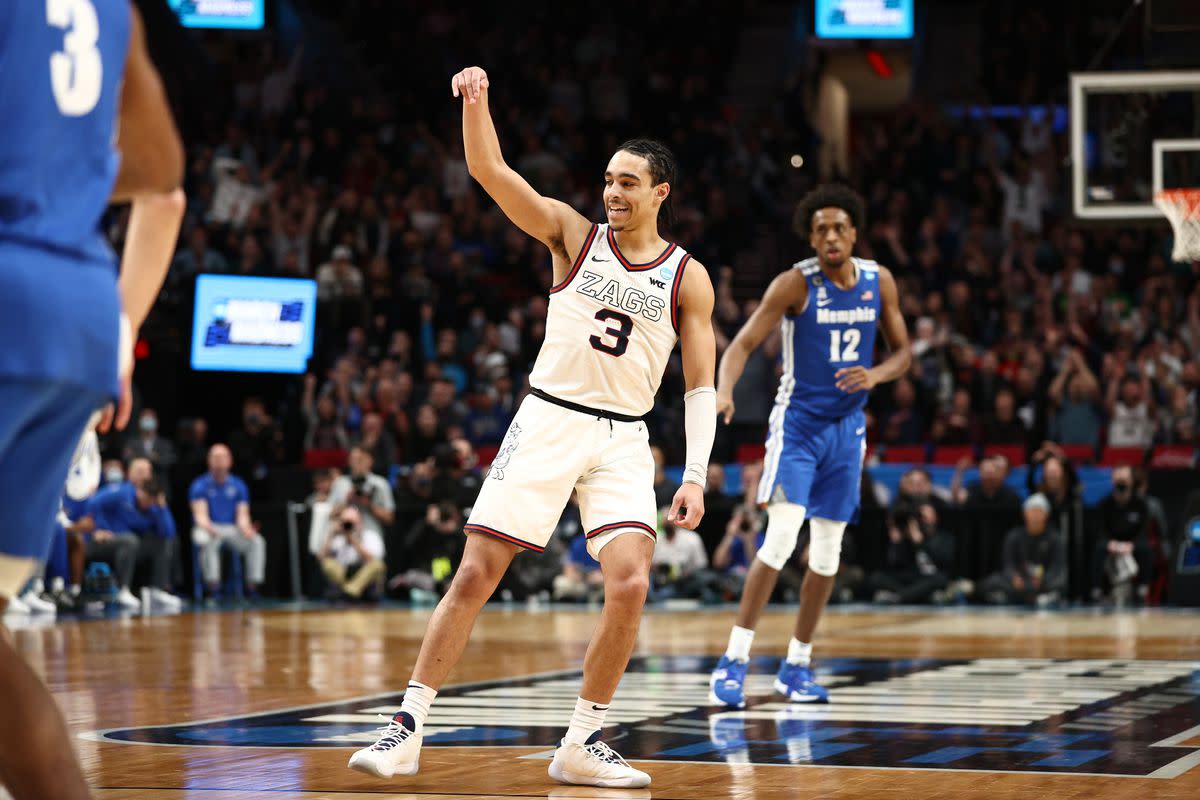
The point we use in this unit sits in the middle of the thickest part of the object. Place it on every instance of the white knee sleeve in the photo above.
(783, 527)
(825, 546)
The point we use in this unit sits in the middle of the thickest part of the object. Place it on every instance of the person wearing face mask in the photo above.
(1121, 558)
(352, 558)
(150, 445)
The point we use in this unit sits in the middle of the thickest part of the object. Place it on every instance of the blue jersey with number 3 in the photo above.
(61, 64)
(836, 329)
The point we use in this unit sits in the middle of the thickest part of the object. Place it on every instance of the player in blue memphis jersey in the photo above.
(828, 309)
(85, 123)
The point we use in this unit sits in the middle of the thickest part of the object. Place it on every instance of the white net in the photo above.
(1182, 208)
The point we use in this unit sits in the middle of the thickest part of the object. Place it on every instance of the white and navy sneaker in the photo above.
(594, 763)
(397, 752)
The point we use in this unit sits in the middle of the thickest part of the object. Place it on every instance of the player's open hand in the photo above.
(469, 84)
(855, 379)
(687, 509)
(725, 407)
(118, 417)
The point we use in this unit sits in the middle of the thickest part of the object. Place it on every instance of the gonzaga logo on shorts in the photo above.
(1109, 717)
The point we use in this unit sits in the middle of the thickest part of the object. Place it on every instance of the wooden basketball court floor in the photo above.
(926, 704)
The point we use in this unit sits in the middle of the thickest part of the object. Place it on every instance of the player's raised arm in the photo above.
(891, 323)
(698, 345)
(788, 290)
(553, 223)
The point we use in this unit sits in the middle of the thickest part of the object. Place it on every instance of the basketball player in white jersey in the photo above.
(621, 298)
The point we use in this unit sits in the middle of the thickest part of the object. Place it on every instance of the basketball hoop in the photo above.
(1182, 208)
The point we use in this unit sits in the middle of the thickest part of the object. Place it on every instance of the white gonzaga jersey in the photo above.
(610, 327)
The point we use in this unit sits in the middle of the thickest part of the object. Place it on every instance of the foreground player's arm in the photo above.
(553, 223)
(788, 290)
(698, 345)
(150, 175)
(855, 379)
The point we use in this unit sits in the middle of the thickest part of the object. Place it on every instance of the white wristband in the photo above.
(700, 428)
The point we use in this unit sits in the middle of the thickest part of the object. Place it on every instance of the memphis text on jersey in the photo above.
(845, 316)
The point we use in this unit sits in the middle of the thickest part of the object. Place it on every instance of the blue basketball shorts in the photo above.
(40, 424)
(815, 463)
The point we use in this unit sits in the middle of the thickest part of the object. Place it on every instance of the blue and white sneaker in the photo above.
(795, 681)
(727, 687)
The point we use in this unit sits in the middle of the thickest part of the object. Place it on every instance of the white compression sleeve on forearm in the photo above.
(699, 428)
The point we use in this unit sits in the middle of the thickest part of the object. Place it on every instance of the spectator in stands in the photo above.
(364, 490)
(718, 508)
(221, 516)
(903, 423)
(325, 428)
(352, 558)
(338, 278)
(425, 436)
(197, 258)
(140, 510)
(258, 445)
(432, 549)
(916, 489)
(118, 549)
(1004, 426)
(1074, 394)
(744, 534)
(378, 441)
(664, 487)
(1131, 412)
(958, 426)
(150, 445)
(1121, 560)
(580, 579)
(1034, 566)
(1177, 419)
(990, 491)
(680, 564)
(919, 558)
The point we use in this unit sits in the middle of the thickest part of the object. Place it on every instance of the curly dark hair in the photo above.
(829, 195)
(662, 165)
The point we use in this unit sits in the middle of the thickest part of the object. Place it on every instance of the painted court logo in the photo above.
(1096, 716)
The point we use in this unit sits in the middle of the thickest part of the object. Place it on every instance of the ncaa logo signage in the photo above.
(1097, 716)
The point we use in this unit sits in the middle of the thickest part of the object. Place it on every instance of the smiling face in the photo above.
(631, 198)
(833, 236)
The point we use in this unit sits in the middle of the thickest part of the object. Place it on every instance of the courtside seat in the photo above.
(1173, 456)
(952, 454)
(1015, 453)
(749, 453)
(1114, 456)
(325, 458)
(904, 454)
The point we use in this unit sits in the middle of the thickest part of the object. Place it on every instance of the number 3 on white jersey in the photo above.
(76, 71)
(843, 345)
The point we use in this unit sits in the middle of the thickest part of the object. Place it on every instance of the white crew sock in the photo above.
(740, 640)
(417, 699)
(799, 652)
(587, 719)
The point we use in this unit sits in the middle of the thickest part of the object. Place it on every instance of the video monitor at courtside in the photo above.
(246, 324)
(864, 19)
(237, 14)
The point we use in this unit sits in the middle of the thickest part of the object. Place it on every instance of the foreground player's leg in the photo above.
(36, 756)
(398, 749)
(783, 528)
(795, 678)
(581, 757)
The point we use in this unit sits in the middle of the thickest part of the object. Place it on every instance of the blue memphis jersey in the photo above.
(61, 64)
(836, 329)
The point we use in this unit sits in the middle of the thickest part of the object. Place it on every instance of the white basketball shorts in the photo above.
(550, 450)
